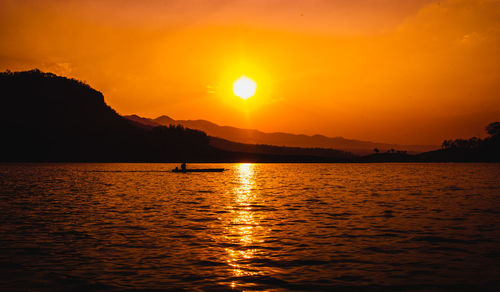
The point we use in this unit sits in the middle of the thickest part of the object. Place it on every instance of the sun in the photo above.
(244, 87)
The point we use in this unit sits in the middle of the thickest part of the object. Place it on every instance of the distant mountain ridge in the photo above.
(256, 149)
(328, 153)
(251, 136)
(49, 118)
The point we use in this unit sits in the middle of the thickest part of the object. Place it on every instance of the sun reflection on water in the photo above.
(243, 224)
(254, 227)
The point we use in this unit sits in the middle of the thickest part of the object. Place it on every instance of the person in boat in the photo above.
(176, 168)
(183, 166)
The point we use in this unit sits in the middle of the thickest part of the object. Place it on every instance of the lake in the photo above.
(349, 227)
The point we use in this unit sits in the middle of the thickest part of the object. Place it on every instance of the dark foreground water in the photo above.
(114, 227)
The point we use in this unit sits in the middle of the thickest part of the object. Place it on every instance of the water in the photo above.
(114, 227)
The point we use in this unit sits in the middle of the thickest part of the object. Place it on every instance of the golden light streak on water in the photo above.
(242, 223)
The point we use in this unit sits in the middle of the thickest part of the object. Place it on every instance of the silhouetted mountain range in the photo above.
(249, 136)
(44, 117)
(279, 150)
(231, 146)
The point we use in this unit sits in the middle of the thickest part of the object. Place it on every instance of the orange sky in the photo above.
(414, 71)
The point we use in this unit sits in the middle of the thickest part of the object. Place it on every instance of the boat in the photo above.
(198, 170)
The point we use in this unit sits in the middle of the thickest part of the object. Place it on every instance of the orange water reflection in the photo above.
(243, 223)
(254, 227)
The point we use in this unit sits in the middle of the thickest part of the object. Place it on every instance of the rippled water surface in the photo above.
(116, 227)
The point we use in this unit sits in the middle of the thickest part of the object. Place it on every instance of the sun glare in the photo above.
(244, 87)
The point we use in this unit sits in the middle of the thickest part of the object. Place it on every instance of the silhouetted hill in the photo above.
(147, 123)
(486, 150)
(248, 136)
(230, 146)
(277, 150)
(458, 150)
(162, 120)
(44, 117)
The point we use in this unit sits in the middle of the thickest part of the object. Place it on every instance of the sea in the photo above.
(253, 227)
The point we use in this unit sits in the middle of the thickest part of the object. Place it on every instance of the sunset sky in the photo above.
(408, 72)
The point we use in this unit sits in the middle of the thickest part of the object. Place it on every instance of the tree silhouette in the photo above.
(493, 129)
(475, 149)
